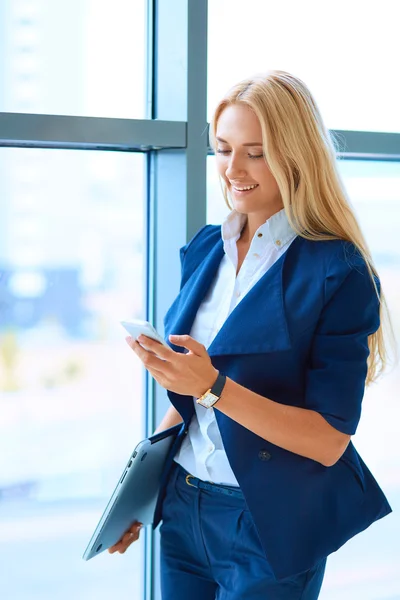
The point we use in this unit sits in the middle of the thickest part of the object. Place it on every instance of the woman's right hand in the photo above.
(127, 539)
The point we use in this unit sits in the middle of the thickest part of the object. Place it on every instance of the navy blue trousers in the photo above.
(210, 550)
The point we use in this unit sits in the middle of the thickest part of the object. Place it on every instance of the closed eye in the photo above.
(249, 155)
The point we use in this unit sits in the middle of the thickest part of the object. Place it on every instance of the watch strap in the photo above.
(218, 385)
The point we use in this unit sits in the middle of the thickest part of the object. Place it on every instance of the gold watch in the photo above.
(212, 395)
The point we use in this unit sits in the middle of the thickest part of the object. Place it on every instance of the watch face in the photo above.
(208, 400)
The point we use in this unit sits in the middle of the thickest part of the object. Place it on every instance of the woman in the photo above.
(283, 306)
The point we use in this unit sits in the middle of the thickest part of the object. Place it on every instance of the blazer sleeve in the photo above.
(337, 369)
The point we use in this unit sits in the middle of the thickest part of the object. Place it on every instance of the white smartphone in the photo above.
(135, 327)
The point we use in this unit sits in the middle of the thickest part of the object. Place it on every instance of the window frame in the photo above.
(174, 138)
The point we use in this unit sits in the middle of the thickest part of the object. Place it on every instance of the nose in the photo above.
(235, 167)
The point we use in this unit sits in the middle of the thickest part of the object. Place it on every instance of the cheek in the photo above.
(266, 178)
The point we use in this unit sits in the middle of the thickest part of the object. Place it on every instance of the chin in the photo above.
(240, 207)
(245, 206)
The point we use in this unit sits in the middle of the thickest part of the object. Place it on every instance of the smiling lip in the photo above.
(242, 191)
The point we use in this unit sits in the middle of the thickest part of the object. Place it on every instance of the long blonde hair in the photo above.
(301, 155)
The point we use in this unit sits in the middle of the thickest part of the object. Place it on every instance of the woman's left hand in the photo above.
(189, 374)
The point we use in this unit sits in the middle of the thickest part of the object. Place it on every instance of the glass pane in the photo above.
(346, 52)
(71, 391)
(73, 57)
(367, 566)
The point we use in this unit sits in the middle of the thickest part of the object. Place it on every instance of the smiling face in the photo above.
(241, 164)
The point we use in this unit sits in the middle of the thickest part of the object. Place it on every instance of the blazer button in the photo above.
(264, 455)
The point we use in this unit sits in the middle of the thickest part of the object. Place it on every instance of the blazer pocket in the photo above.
(358, 474)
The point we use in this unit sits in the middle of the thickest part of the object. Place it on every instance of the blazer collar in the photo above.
(257, 324)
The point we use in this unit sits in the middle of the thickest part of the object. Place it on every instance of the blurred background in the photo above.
(73, 252)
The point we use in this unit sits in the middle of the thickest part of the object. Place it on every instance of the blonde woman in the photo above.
(276, 330)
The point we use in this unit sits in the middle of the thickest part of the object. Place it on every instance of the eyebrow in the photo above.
(248, 143)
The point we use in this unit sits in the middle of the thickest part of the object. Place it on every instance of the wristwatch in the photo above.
(211, 396)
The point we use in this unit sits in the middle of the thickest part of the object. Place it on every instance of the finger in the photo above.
(186, 341)
(127, 539)
(115, 548)
(129, 340)
(159, 368)
(124, 544)
(159, 349)
(149, 359)
(131, 535)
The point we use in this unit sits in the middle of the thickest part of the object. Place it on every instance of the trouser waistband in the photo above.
(193, 481)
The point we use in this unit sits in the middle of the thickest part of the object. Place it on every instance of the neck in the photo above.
(253, 223)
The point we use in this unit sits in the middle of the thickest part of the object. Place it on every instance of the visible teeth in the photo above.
(249, 187)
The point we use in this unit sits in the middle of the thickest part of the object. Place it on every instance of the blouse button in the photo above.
(259, 234)
(278, 242)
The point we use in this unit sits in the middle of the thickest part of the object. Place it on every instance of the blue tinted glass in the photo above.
(73, 57)
(71, 395)
(346, 52)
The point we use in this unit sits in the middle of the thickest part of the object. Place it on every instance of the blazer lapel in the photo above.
(179, 318)
(257, 324)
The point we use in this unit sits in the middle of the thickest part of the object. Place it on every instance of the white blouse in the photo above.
(202, 452)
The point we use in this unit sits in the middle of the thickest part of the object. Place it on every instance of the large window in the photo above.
(88, 237)
(346, 52)
(72, 57)
(71, 391)
(367, 566)
(93, 211)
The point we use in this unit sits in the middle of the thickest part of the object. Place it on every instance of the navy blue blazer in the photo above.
(299, 337)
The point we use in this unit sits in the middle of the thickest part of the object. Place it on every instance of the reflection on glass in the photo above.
(367, 566)
(290, 35)
(73, 57)
(71, 394)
